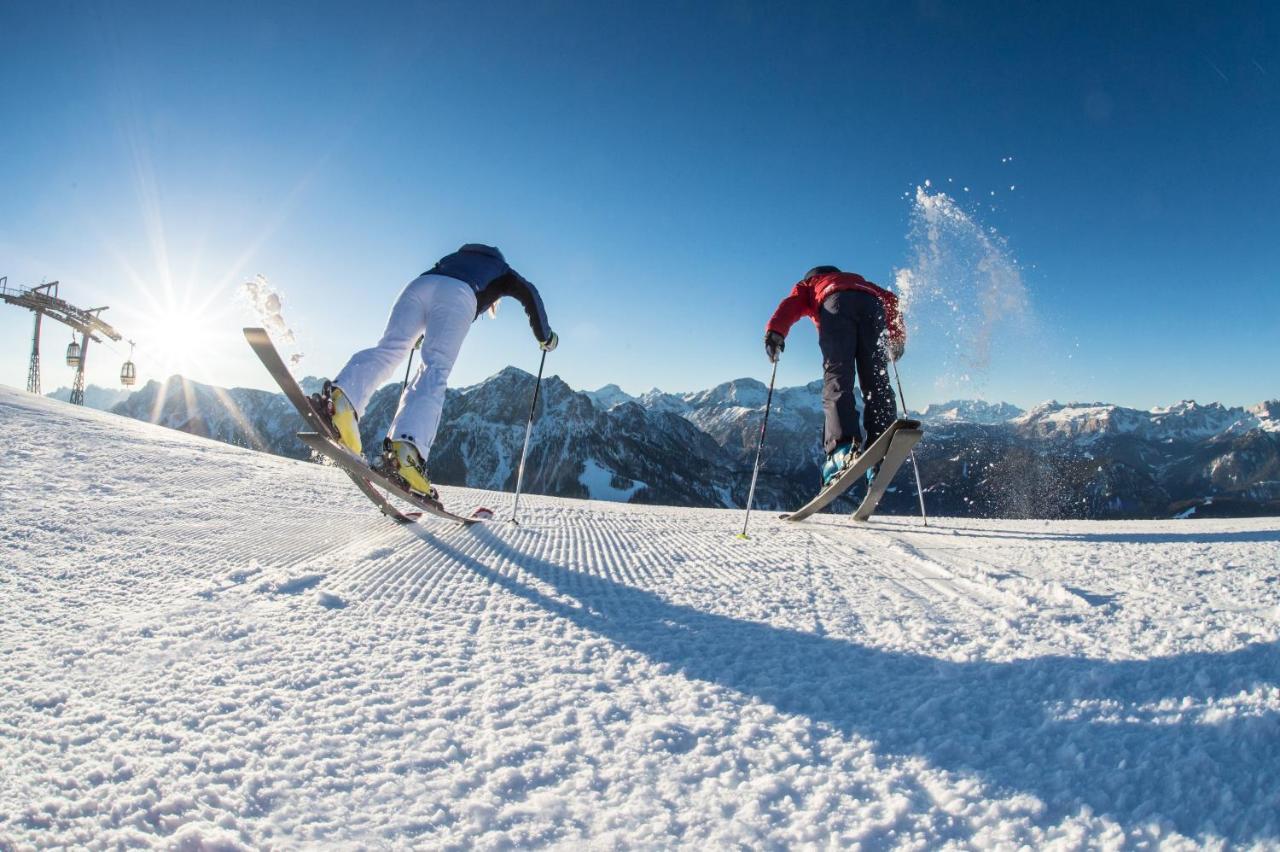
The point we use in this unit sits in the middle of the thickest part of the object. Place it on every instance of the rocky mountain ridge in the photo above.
(978, 458)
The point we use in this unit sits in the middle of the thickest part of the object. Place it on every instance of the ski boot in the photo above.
(336, 409)
(402, 462)
(837, 460)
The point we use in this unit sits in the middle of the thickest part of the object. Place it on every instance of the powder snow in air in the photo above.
(962, 284)
(267, 303)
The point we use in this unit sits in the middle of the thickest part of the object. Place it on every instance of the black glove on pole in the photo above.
(774, 343)
(528, 431)
(755, 470)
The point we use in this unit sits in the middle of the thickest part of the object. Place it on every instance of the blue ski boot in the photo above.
(859, 492)
(837, 460)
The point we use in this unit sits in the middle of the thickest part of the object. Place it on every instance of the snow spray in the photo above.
(963, 286)
(963, 294)
(266, 303)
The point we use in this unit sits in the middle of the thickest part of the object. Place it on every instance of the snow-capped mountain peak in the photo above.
(1267, 414)
(658, 400)
(608, 396)
(970, 411)
(1183, 421)
(743, 393)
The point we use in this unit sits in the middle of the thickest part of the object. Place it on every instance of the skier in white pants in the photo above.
(440, 305)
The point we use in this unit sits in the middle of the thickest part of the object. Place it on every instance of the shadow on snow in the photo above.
(1110, 735)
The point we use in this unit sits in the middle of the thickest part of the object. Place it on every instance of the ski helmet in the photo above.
(820, 270)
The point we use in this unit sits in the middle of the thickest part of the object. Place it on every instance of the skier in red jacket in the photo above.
(859, 328)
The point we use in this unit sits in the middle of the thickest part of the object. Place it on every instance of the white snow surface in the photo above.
(206, 647)
(598, 481)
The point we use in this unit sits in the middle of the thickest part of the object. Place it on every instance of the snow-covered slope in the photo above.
(201, 644)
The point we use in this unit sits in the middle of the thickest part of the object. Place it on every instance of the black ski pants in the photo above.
(850, 329)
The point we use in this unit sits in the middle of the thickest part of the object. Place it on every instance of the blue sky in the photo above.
(664, 172)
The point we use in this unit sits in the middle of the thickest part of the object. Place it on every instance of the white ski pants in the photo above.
(442, 309)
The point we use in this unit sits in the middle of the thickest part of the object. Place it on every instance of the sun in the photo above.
(175, 337)
(165, 344)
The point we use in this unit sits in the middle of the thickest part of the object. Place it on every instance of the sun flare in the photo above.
(175, 339)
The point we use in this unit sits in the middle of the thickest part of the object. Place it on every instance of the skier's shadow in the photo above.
(1171, 740)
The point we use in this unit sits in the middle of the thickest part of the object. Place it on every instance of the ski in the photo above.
(356, 467)
(851, 474)
(901, 445)
(266, 351)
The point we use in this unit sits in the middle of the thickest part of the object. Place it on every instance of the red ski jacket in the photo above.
(807, 296)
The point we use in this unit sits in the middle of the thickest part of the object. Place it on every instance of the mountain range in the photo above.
(94, 396)
(1074, 460)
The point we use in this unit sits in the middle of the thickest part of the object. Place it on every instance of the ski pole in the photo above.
(914, 465)
(409, 366)
(528, 431)
(755, 470)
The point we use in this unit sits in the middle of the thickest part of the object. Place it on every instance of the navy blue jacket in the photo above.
(486, 270)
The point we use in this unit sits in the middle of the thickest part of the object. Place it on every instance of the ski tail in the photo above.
(904, 440)
(266, 351)
(851, 474)
(356, 467)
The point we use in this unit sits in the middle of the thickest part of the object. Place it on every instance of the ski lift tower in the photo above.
(43, 301)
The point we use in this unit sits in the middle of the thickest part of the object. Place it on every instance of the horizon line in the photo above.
(637, 397)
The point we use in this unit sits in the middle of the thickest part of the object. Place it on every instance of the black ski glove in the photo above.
(550, 343)
(774, 343)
